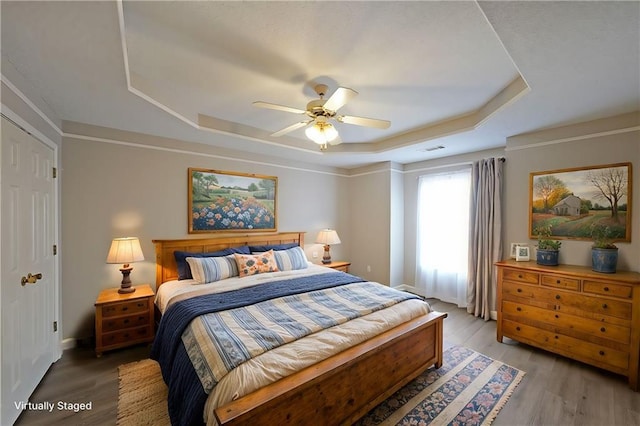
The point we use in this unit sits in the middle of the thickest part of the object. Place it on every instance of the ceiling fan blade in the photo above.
(291, 128)
(340, 97)
(362, 121)
(278, 107)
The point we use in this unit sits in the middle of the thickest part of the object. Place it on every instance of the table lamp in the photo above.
(327, 237)
(125, 250)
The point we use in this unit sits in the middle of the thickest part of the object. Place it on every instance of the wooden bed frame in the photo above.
(339, 389)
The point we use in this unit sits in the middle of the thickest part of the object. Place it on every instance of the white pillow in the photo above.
(290, 259)
(210, 269)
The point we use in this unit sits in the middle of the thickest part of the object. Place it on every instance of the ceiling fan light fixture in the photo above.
(321, 132)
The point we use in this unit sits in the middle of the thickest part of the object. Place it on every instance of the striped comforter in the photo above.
(220, 341)
(200, 339)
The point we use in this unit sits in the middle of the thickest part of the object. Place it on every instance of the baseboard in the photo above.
(69, 343)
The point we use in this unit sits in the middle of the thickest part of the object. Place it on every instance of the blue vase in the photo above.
(547, 257)
(604, 260)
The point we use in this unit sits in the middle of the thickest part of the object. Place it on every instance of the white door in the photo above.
(27, 218)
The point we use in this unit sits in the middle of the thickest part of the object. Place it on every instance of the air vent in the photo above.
(433, 148)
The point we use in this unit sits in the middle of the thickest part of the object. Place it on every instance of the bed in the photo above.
(339, 388)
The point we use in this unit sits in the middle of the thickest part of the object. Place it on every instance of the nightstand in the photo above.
(340, 266)
(124, 319)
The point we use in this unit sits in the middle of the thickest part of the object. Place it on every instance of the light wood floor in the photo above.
(555, 390)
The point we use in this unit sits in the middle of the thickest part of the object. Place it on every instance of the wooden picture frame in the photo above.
(573, 201)
(227, 202)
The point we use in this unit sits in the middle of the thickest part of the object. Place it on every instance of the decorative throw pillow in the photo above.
(290, 259)
(252, 264)
(184, 272)
(210, 269)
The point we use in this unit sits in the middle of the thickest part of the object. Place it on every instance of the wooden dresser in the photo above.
(572, 311)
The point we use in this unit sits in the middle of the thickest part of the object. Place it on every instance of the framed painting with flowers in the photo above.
(228, 201)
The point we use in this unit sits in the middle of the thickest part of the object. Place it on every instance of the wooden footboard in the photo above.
(344, 387)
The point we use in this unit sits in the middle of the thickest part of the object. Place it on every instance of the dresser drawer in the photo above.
(566, 301)
(125, 308)
(608, 289)
(119, 323)
(559, 281)
(598, 355)
(126, 336)
(566, 323)
(520, 276)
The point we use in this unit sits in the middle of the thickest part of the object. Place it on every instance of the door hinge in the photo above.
(55, 172)
(55, 326)
(55, 249)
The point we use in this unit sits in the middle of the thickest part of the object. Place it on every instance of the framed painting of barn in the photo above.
(574, 201)
(228, 201)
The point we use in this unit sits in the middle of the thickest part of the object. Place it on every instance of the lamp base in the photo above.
(326, 258)
(125, 285)
(126, 290)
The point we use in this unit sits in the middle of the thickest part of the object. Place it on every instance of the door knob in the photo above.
(30, 278)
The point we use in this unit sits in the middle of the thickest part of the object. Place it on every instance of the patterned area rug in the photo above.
(469, 389)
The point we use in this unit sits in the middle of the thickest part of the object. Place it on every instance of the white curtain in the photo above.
(485, 235)
(442, 236)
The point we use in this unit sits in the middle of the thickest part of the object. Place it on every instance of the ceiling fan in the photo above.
(320, 112)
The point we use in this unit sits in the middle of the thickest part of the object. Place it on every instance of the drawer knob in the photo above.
(603, 329)
(557, 281)
(519, 290)
(557, 297)
(126, 321)
(557, 316)
(556, 337)
(604, 306)
(140, 305)
(518, 309)
(606, 289)
(518, 328)
(601, 353)
(125, 308)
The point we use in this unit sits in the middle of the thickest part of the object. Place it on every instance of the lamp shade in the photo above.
(328, 237)
(125, 250)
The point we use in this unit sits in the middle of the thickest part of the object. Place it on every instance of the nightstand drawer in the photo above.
(126, 336)
(124, 308)
(114, 324)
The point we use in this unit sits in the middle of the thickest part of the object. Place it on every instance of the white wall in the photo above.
(129, 188)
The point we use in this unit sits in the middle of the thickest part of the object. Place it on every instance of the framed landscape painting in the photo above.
(227, 201)
(574, 201)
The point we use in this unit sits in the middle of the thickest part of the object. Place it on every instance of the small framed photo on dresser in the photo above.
(522, 253)
(514, 249)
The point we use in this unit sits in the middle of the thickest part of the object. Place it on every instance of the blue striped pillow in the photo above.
(210, 269)
(290, 259)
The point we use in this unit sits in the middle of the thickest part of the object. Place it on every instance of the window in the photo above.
(443, 236)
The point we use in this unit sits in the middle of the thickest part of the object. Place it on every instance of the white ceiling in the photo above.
(463, 75)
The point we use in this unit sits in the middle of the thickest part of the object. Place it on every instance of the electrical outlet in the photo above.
(368, 268)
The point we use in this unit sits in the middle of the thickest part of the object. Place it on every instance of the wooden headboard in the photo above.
(166, 269)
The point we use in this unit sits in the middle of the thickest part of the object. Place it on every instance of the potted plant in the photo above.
(604, 253)
(548, 249)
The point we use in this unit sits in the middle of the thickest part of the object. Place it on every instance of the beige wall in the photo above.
(598, 142)
(128, 188)
(369, 219)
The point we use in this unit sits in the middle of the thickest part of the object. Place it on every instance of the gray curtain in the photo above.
(485, 235)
